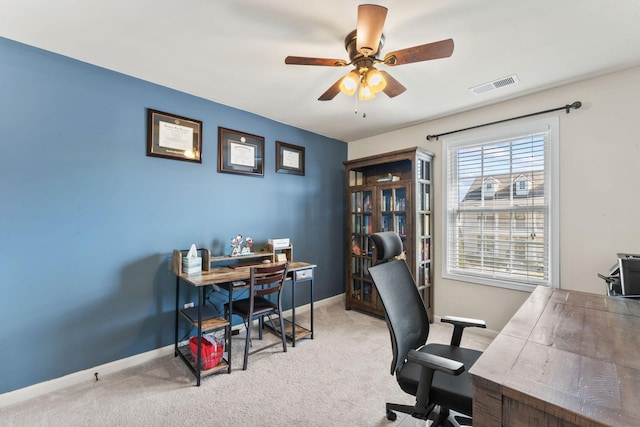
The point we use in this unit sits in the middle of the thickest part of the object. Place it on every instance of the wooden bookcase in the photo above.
(388, 192)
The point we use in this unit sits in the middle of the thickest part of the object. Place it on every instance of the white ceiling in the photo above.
(233, 51)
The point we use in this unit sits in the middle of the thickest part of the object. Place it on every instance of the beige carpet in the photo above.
(340, 378)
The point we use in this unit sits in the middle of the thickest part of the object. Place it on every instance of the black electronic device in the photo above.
(629, 274)
(624, 276)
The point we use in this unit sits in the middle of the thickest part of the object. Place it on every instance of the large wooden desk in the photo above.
(566, 358)
(224, 277)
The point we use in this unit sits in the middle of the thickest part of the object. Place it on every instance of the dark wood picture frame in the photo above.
(240, 152)
(289, 158)
(173, 137)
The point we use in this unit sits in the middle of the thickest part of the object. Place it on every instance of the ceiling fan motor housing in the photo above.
(350, 46)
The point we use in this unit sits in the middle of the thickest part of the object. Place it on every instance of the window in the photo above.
(522, 186)
(489, 189)
(502, 234)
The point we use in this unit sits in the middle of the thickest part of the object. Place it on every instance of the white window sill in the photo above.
(487, 281)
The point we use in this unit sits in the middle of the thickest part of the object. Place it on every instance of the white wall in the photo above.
(599, 186)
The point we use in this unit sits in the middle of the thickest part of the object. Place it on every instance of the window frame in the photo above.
(552, 185)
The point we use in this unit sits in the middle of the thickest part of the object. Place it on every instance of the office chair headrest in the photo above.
(388, 244)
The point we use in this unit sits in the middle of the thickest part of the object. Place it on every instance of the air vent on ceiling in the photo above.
(496, 84)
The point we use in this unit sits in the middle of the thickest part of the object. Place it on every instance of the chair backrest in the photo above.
(267, 280)
(404, 309)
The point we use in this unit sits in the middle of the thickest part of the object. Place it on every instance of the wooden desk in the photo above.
(566, 358)
(224, 277)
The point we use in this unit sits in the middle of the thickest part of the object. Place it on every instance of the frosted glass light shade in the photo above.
(375, 80)
(349, 83)
(365, 93)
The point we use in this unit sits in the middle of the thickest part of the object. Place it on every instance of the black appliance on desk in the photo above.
(624, 277)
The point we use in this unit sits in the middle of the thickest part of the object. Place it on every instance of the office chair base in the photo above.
(437, 415)
(407, 409)
(449, 418)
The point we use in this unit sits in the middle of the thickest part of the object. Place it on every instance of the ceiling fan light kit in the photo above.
(363, 45)
(367, 81)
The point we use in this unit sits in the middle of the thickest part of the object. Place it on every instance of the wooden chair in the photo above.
(264, 281)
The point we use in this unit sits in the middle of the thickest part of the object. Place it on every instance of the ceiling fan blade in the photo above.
(303, 60)
(331, 92)
(425, 52)
(369, 28)
(394, 87)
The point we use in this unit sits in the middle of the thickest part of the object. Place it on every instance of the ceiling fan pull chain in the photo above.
(357, 97)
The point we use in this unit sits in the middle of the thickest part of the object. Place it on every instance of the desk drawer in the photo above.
(304, 274)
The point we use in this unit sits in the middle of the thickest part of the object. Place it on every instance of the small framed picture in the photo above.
(174, 137)
(289, 158)
(240, 152)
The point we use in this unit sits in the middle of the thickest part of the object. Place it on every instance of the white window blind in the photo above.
(500, 214)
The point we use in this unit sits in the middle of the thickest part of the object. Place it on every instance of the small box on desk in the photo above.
(279, 243)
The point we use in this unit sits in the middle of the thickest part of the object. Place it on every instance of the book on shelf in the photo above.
(367, 225)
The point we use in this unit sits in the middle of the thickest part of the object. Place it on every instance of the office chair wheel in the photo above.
(391, 416)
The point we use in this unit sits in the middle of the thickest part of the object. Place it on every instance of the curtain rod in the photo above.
(567, 108)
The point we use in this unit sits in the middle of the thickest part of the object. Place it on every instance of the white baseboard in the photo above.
(79, 377)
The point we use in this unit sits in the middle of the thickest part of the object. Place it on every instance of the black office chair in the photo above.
(264, 281)
(434, 373)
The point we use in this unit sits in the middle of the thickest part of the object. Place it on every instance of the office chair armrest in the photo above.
(436, 363)
(459, 323)
(430, 363)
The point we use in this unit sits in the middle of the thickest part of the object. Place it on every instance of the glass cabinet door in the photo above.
(393, 208)
(360, 286)
(423, 231)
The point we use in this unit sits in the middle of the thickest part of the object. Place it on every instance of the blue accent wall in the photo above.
(88, 221)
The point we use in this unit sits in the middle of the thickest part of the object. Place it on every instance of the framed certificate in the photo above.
(174, 137)
(289, 158)
(240, 152)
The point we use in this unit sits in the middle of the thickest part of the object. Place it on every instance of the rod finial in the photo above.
(575, 106)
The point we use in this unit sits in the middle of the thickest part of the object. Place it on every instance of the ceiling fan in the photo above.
(363, 46)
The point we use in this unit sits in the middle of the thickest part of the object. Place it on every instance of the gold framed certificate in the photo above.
(174, 137)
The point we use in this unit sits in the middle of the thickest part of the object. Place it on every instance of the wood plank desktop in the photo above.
(566, 358)
(220, 275)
